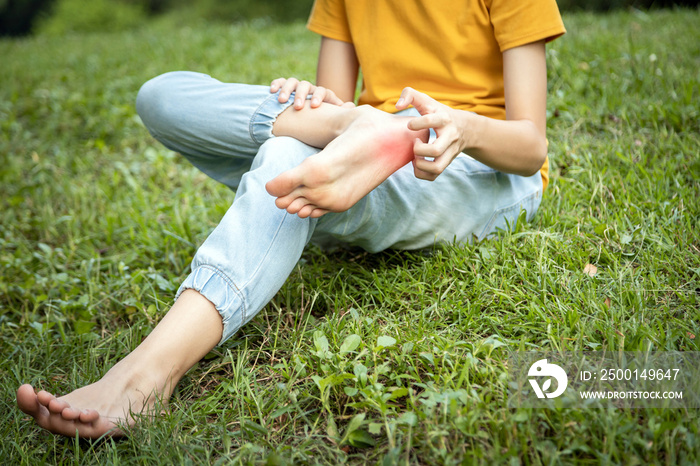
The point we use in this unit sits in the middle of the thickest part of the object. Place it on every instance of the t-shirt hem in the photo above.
(328, 32)
(547, 35)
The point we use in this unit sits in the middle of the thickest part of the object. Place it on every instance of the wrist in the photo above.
(472, 127)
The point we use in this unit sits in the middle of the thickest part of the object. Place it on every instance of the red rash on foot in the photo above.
(395, 150)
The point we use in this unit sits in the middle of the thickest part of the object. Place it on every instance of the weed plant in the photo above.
(398, 357)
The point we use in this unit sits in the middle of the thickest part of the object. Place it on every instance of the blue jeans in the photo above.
(225, 130)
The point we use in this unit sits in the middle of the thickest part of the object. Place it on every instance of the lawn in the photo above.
(388, 358)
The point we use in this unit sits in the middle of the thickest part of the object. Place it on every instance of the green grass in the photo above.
(98, 224)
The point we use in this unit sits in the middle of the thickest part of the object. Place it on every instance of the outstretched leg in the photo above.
(138, 383)
(239, 267)
(370, 149)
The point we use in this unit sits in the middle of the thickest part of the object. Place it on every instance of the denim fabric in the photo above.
(226, 131)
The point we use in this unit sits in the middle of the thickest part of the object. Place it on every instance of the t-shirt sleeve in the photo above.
(520, 22)
(329, 18)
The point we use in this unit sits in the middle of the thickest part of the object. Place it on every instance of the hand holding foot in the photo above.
(302, 89)
(374, 145)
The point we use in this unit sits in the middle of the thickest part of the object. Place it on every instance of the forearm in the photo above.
(516, 145)
(511, 146)
(338, 68)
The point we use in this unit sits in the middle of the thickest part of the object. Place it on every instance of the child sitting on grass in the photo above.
(308, 165)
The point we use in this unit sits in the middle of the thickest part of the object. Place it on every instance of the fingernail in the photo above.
(399, 102)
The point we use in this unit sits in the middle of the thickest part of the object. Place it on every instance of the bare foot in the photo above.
(373, 146)
(100, 409)
(139, 384)
(58, 416)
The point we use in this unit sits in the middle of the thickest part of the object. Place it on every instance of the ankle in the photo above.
(345, 117)
(143, 389)
(132, 373)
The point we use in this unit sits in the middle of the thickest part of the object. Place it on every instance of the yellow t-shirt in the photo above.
(448, 49)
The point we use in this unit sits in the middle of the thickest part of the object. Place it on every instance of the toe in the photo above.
(298, 205)
(70, 414)
(89, 415)
(306, 211)
(318, 213)
(284, 183)
(27, 400)
(285, 202)
(57, 406)
(56, 415)
(45, 397)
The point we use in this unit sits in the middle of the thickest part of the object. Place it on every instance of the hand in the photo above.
(450, 139)
(303, 89)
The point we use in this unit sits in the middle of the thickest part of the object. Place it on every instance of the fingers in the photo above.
(429, 169)
(432, 159)
(439, 119)
(422, 102)
(302, 90)
(423, 175)
(405, 99)
(319, 96)
(283, 85)
(446, 142)
(277, 84)
(322, 94)
(287, 86)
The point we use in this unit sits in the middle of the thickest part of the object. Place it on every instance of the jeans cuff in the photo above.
(265, 115)
(214, 285)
